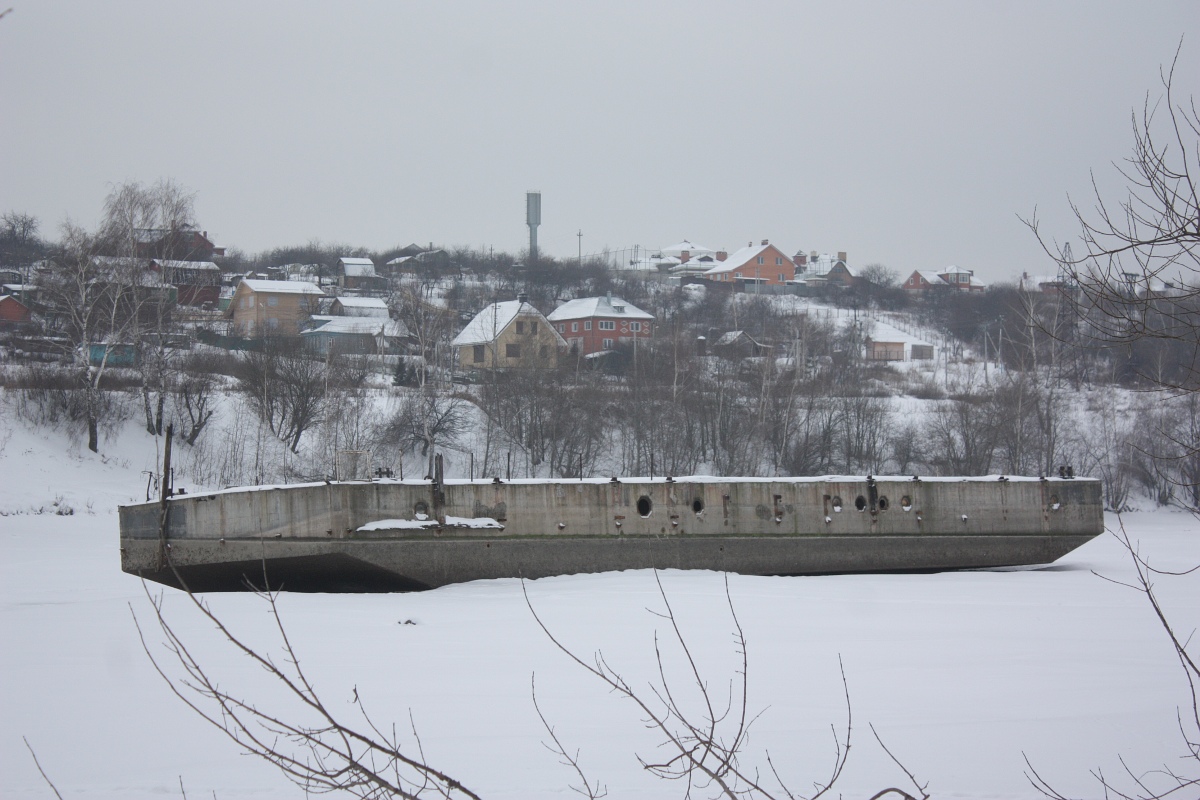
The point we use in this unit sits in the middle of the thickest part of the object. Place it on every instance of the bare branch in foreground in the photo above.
(705, 750)
(587, 789)
(313, 747)
(1164, 782)
(37, 763)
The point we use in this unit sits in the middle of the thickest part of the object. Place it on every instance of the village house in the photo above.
(358, 275)
(596, 324)
(764, 264)
(887, 343)
(13, 312)
(196, 282)
(508, 335)
(359, 307)
(355, 335)
(951, 277)
(272, 308)
(821, 271)
(185, 243)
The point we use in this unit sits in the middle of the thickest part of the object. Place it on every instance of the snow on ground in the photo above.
(961, 673)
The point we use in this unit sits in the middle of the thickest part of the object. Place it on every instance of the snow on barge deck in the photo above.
(395, 535)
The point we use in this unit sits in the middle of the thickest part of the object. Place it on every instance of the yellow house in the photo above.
(509, 335)
(272, 308)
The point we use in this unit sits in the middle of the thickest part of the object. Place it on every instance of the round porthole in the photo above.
(644, 506)
(906, 503)
(883, 503)
(1055, 505)
(697, 505)
(860, 503)
(837, 504)
(421, 510)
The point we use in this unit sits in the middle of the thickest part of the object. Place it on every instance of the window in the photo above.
(761, 260)
(636, 327)
(477, 354)
(781, 278)
(272, 323)
(607, 325)
(778, 261)
(543, 351)
(533, 329)
(247, 302)
(272, 300)
(512, 351)
(520, 327)
(562, 328)
(606, 344)
(587, 326)
(574, 327)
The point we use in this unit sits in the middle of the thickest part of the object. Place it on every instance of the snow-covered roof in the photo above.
(883, 332)
(363, 306)
(174, 264)
(588, 307)
(281, 287)
(955, 270)
(491, 322)
(820, 264)
(357, 267)
(650, 263)
(398, 260)
(932, 277)
(739, 258)
(689, 246)
(370, 326)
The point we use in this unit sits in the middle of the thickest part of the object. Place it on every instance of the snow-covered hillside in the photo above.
(962, 674)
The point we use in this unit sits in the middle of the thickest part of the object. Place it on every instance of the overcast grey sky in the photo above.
(911, 134)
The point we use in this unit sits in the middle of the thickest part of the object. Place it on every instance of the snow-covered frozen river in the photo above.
(962, 674)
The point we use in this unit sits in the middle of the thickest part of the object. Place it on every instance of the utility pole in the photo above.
(580, 237)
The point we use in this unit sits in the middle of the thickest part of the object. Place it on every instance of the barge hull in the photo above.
(399, 536)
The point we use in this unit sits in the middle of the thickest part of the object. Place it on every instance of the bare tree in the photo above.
(94, 303)
(140, 221)
(428, 420)
(1136, 283)
(286, 388)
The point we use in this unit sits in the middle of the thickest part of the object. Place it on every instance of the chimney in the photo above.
(522, 297)
(701, 346)
(684, 255)
(766, 242)
(722, 255)
(749, 244)
(813, 255)
(841, 255)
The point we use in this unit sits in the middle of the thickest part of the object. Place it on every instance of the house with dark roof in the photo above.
(197, 282)
(358, 275)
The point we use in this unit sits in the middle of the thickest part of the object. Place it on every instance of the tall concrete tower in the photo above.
(533, 218)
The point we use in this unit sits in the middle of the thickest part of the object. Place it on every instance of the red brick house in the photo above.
(13, 311)
(951, 277)
(762, 264)
(595, 324)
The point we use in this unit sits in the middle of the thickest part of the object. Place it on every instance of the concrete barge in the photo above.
(390, 535)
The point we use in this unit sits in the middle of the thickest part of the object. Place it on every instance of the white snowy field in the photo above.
(962, 674)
